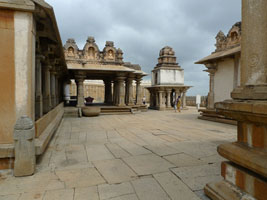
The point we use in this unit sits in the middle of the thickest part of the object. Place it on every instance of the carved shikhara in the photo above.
(91, 52)
(232, 39)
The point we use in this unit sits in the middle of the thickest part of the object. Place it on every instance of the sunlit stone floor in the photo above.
(146, 156)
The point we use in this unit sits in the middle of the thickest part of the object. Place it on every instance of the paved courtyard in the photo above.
(147, 156)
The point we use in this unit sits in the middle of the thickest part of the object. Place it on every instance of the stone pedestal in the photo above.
(245, 175)
(25, 160)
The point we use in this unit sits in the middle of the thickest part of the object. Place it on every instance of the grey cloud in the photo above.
(142, 27)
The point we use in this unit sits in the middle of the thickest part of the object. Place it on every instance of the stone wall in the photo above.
(191, 101)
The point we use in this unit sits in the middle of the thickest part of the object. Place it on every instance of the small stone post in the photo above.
(24, 147)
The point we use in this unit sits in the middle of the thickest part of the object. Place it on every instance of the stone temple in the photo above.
(167, 81)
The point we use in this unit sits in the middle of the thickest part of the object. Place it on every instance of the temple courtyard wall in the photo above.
(152, 155)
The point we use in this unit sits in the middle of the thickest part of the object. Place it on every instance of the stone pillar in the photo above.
(121, 91)
(108, 93)
(184, 99)
(130, 100)
(138, 92)
(38, 88)
(245, 174)
(47, 96)
(161, 102)
(80, 91)
(56, 89)
(211, 69)
(168, 100)
(53, 87)
(25, 160)
(115, 92)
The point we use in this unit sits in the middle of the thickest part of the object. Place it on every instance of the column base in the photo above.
(252, 92)
(238, 183)
(225, 191)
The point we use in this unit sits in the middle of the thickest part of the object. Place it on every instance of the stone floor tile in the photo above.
(115, 170)
(83, 177)
(98, 152)
(148, 164)
(196, 177)
(161, 150)
(66, 194)
(87, 193)
(126, 197)
(174, 187)
(183, 160)
(132, 148)
(32, 196)
(117, 151)
(76, 152)
(109, 191)
(148, 189)
(216, 158)
(10, 197)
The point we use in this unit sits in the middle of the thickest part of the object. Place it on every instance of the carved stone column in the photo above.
(130, 100)
(47, 96)
(184, 99)
(38, 88)
(121, 91)
(57, 89)
(168, 100)
(245, 174)
(161, 102)
(53, 87)
(212, 68)
(115, 92)
(138, 92)
(80, 90)
(151, 99)
(108, 93)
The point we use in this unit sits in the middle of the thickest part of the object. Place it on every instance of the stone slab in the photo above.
(115, 170)
(98, 152)
(148, 164)
(110, 191)
(117, 151)
(126, 197)
(183, 160)
(87, 193)
(80, 177)
(66, 194)
(161, 150)
(148, 189)
(32, 196)
(174, 187)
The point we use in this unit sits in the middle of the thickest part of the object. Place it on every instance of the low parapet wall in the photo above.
(45, 127)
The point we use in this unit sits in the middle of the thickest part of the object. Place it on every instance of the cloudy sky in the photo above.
(142, 27)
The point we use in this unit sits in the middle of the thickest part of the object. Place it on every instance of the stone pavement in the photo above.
(147, 156)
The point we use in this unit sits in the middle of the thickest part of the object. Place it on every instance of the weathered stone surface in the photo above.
(174, 187)
(117, 151)
(183, 160)
(24, 133)
(32, 196)
(116, 190)
(87, 193)
(66, 194)
(197, 176)
(98, 152)
(148, 164)
(80, 177)
(126, 197)
(115, 170)
(148, 188)
(161, 150)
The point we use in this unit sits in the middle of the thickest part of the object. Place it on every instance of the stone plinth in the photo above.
(24, 147)
(245, 176)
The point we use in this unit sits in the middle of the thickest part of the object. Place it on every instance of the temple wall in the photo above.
(16, 70)
(171, 77)
(224, 80)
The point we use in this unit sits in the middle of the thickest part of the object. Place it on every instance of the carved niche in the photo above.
(109, 51)
(71, 49)
(90, 50)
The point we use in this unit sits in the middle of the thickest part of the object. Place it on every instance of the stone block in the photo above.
(25, 160)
